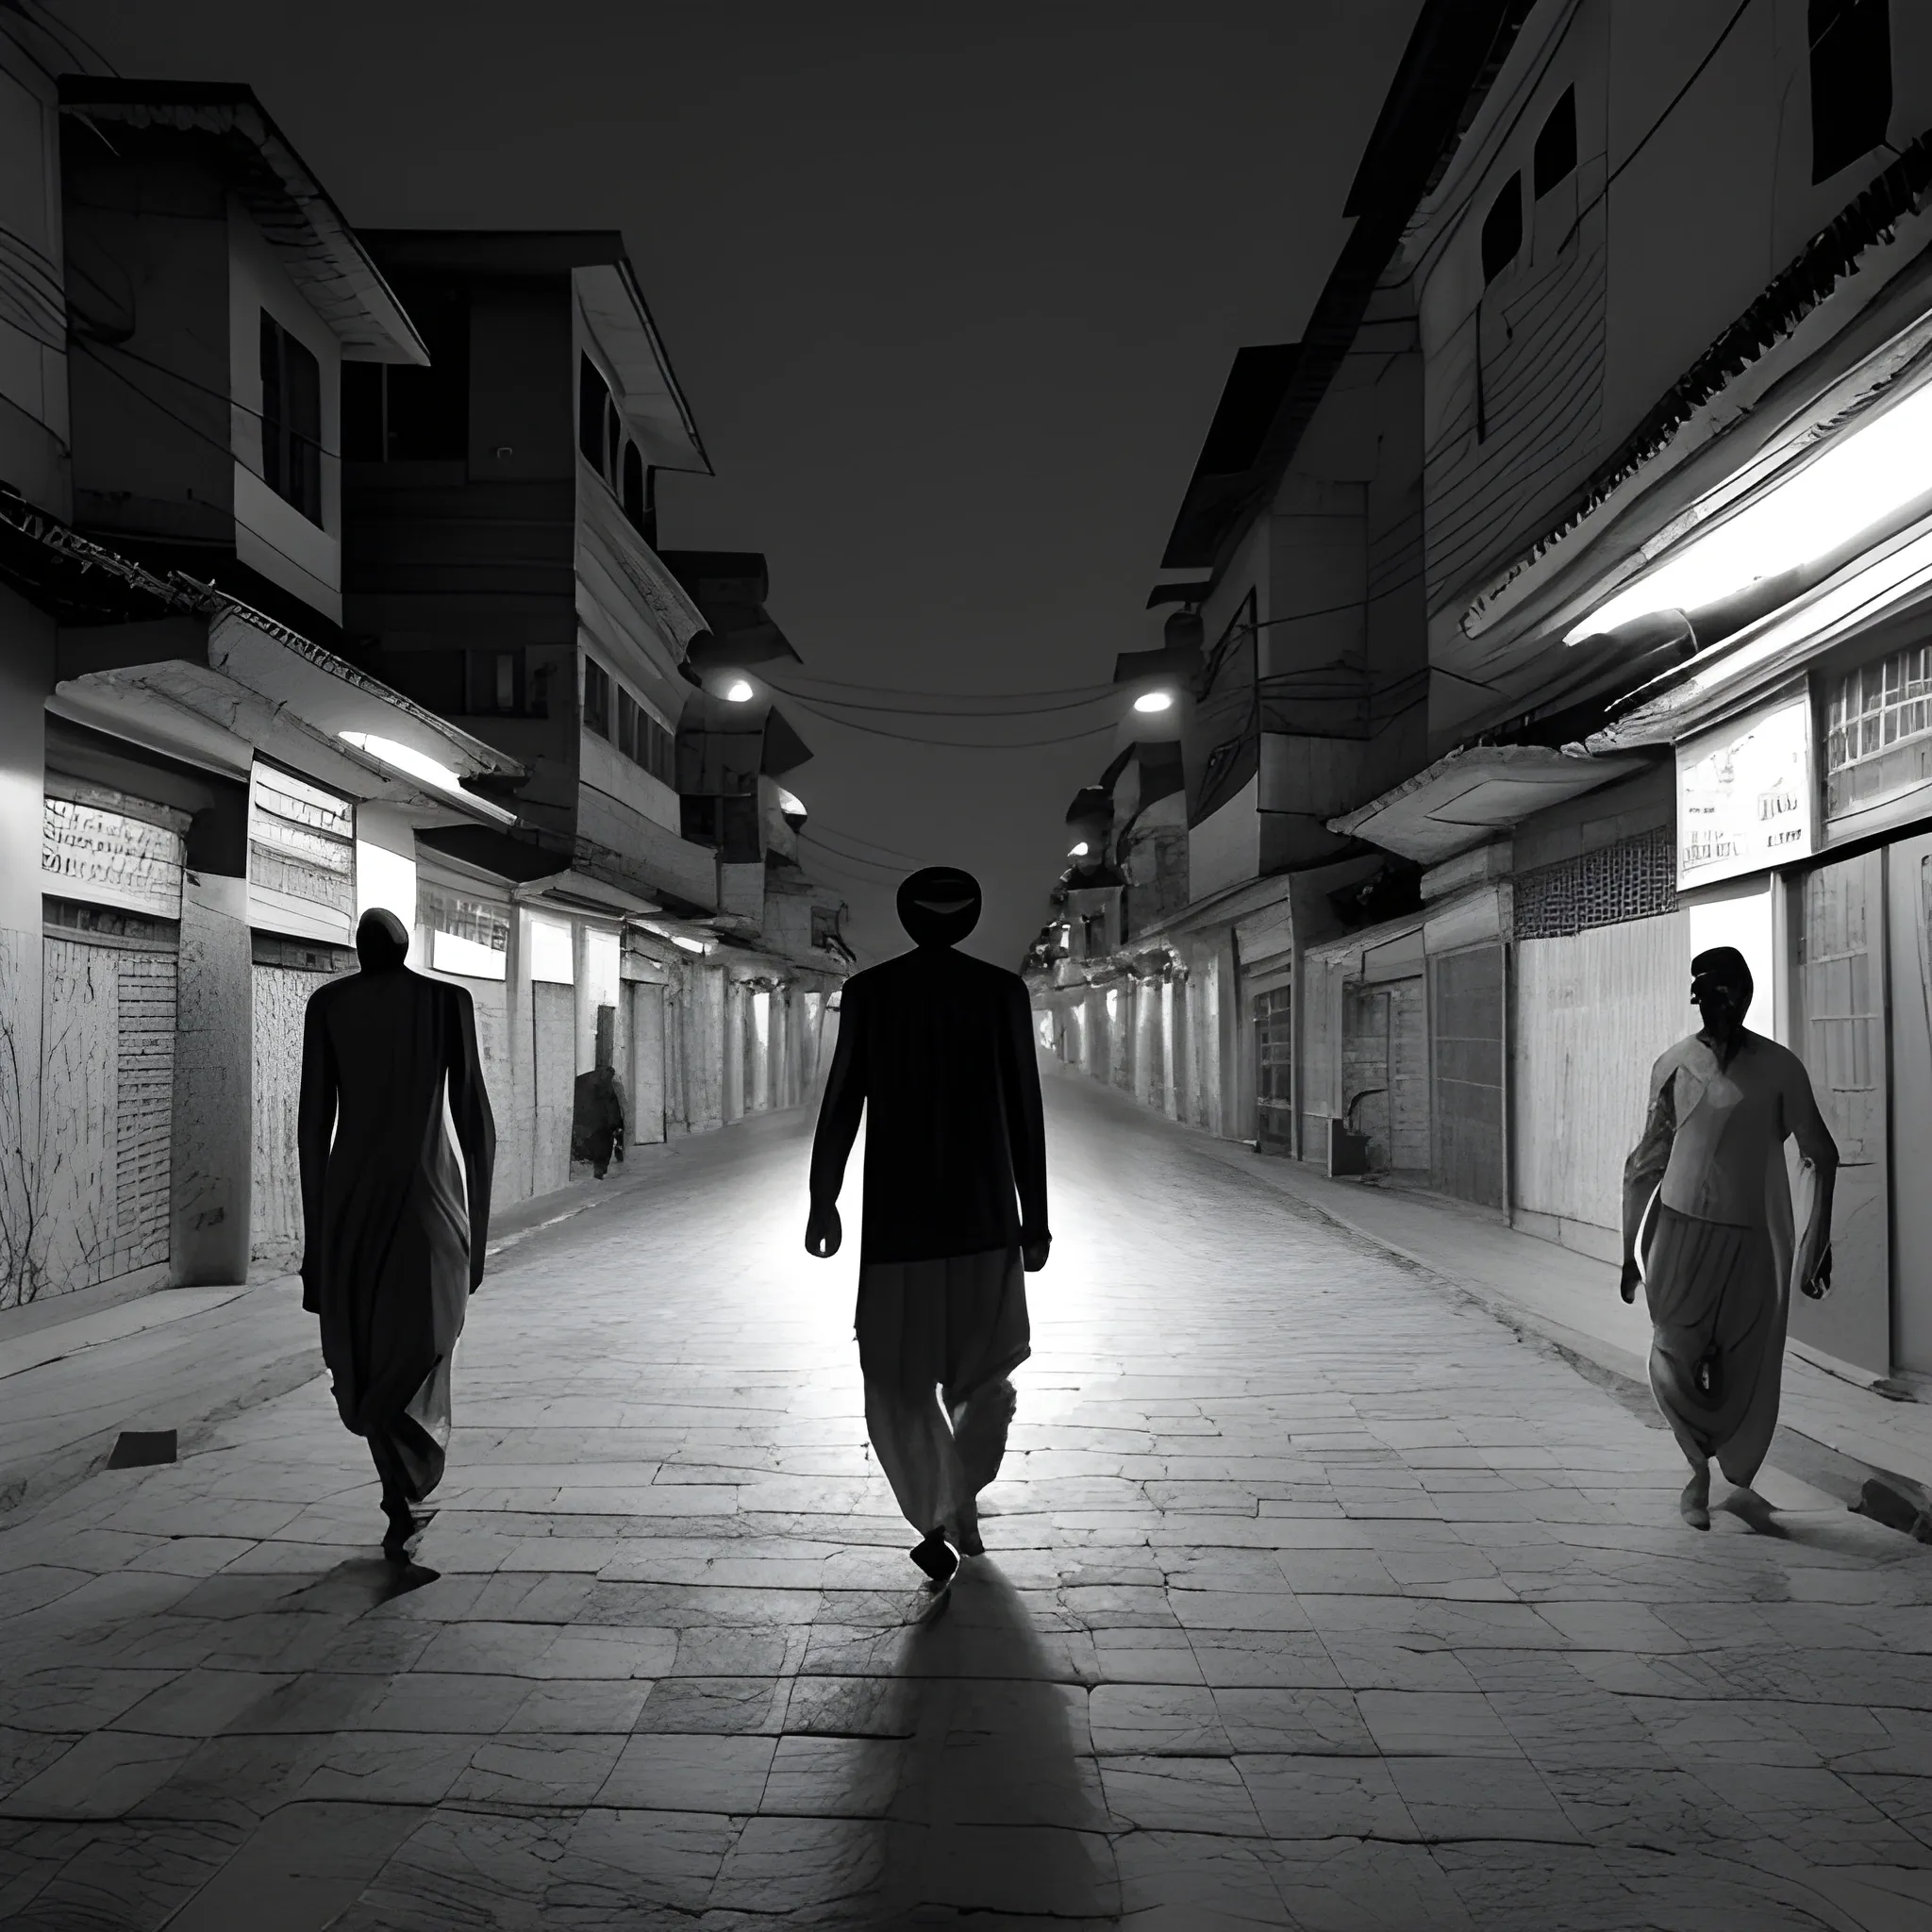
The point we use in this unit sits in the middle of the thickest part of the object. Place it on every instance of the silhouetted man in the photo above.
(936, 1049)
(1708, 1230)
(392, 1248)
(597, 1120)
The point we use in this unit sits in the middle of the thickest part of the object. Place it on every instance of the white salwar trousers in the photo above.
(938, 1343)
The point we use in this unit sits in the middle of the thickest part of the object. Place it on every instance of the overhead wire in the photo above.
(954, 743)
(887, 691)
(943, 710)
(822, 832)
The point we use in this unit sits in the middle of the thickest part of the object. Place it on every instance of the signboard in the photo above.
(108, 859)
(301, 858)
(1748, 797)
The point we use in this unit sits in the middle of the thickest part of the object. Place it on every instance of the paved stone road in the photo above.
(1316, 1598)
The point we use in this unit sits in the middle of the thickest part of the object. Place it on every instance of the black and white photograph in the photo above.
(966, 967)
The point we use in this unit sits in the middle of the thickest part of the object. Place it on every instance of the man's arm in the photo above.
(315, 1120)
(839, 1116)
(1646, 1167)
(1818, 1151)
(469, 1107)
(1027, 1121)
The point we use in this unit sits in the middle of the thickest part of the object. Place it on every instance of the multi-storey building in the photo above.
(504, 572)
(208, 795)
(1655, 557)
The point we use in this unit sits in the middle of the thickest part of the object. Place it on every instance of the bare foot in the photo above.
(1694, 1504)
(1754, 1510)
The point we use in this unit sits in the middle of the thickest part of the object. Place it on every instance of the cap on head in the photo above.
(382, 940)
(938, 906)
(1721, 970)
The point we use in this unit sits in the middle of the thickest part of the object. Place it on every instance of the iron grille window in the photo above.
(1879, 706)
(596, 698)
(290, 418)
(1636, 878)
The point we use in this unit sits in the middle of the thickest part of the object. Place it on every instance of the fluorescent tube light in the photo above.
(1862, 475)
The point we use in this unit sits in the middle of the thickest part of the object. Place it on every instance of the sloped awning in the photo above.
(1472, 795)
(264, 688)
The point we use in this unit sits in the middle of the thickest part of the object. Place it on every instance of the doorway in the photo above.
(1384, 1060)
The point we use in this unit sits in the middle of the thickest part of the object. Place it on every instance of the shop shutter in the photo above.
(1466, 1089)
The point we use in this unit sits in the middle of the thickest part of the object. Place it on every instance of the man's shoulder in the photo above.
(1679, 1053)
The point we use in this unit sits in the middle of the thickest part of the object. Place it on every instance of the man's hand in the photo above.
(1632, 1278)
(1034, 1253)
(822, 1233)
(1818, 1283)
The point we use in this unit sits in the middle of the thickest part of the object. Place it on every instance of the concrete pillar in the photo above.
(649, 1083)
(212, 1132)
(26, 675)
(732, 1107)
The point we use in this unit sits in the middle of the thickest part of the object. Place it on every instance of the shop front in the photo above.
(1861, 918)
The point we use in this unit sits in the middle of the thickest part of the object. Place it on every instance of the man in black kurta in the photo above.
(393, 1236)
(936, 1049)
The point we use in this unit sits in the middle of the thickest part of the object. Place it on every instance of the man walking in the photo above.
(936, 1050)
(1708, 1231)
(393, 1237)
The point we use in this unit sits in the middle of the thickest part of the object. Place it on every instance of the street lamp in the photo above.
(738, 691)
(1154, 701)
(1079, 851)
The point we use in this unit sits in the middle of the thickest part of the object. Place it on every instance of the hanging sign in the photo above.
(1747, 796)
(108, 859)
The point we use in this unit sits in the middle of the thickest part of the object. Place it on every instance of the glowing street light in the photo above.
(1154, 701)
(1079, 851)
(738, 692)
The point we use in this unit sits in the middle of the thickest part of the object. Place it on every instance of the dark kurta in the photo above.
(936, 1050)
(392, 1250)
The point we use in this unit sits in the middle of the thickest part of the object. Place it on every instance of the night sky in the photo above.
(951, 295)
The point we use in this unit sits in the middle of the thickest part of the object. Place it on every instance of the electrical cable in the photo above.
(853, 839)
(940, 711)
(837, 858)
(954, 743)
(885, 690)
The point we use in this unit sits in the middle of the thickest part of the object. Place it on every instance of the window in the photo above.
(497, 684)
(729, 826)
(596, 698)
(634, 503)
(1555, 158)
(824, 926)
(592, 395)
(1503, 229)
(1882, 705)
(406, 414)
(290, 418)
(1851, 81)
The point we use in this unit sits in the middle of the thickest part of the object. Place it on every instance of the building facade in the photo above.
(1671, 298)
(211, 774)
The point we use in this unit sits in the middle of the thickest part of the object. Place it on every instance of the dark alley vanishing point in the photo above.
(1315, 1597)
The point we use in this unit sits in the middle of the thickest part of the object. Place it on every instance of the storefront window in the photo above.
(1879, 706)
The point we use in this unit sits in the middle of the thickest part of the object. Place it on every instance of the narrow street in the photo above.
(1315, 1597)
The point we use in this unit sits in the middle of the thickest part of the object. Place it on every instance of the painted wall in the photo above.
(1592, 1012)
(271, 536)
